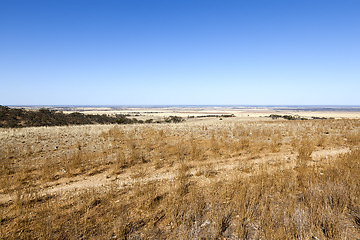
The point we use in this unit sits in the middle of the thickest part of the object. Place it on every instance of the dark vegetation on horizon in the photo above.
(15, 118)
(293, 117)
(212, 115)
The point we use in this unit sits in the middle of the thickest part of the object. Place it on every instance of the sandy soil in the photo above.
(240, 112)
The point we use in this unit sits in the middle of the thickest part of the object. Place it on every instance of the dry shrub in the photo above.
(137, 154)
(241, 144)
(214, 145)
(182, 179)
(197, 151)
(74, 164)
(158, 161)
(305, 149)
(50, 171)
(275, 143)
(353, 138)
(121, 162)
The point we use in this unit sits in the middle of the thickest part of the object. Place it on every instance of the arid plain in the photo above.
(223, 173)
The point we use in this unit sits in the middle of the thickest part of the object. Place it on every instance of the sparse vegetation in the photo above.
(223, 180)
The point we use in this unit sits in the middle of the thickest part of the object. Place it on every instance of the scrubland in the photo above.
(274, 179)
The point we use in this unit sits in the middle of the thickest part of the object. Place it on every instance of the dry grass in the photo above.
(246, 180)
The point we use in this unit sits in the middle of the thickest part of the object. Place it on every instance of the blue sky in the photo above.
(136, 52)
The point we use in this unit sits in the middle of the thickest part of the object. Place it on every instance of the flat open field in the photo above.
(241, 112)
(242, 177)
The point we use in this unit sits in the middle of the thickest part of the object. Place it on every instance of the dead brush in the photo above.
(49, 170)
(321, 140)
(305, 149)
(243, 143)
(120, 162)
(182, 151)
(137, 154)
(157, 161)
(275, 144)
(6, 164)
(148, 195)
(182, 179)
(25, 198)
(74, 164)
(354, 212)
(353, 138)
(197, 151)
(214, 145)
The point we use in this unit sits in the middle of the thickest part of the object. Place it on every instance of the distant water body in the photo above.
(351, 108)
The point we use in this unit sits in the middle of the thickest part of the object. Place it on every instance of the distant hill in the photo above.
(11, 118)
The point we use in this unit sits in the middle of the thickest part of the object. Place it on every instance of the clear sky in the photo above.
(159, 52)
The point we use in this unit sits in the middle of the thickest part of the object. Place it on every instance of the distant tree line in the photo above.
(14, 118)
(287, 117)
(174, 119)
(212, 115)
(294, 117)
(10, 117)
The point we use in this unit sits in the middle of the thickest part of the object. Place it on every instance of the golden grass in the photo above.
(248, 180)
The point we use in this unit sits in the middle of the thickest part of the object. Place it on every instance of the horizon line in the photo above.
(181, 105)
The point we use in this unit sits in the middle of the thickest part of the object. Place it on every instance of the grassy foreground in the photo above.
(249, 180)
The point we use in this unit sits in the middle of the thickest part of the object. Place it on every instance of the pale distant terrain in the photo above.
(240, 112)
(222, 173)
